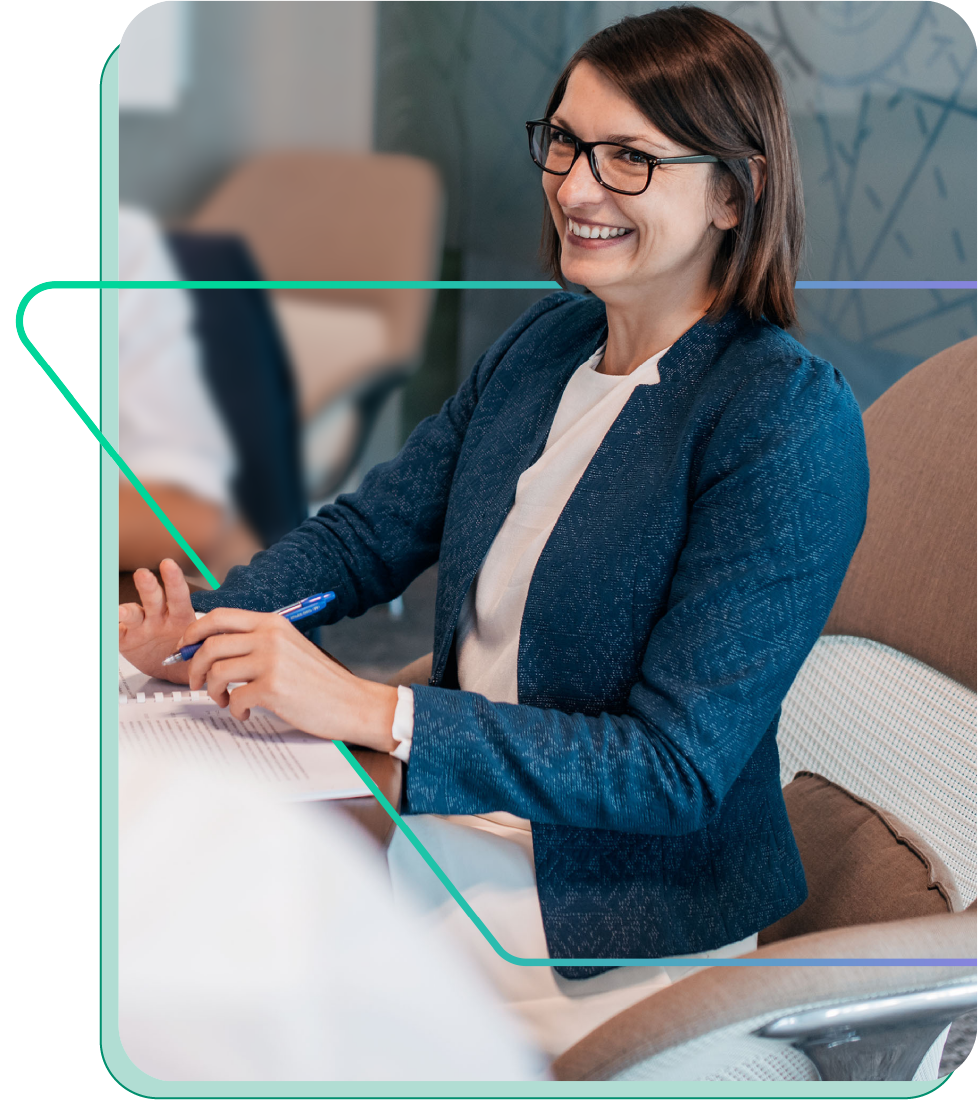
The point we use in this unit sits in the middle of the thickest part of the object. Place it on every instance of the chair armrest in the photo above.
(879, 1039)
(368, 398)
(719, 997)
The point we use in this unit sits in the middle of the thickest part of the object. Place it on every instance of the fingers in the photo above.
(221, 647)
(227, 620)
(150, 593)
(177, 590)
(243, 699)
(130, 614)
(236, 670)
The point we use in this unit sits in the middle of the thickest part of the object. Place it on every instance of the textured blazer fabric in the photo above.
(683, 585)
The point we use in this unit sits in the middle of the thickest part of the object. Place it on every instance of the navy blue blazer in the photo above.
(684, 583)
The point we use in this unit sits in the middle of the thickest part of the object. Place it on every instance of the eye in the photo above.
(632, 157)
(558, 137)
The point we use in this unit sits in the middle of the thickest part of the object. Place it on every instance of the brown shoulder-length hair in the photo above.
(709, 86)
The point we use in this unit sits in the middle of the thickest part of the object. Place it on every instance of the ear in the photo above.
(725, 210)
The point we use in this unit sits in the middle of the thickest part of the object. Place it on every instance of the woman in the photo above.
(642, 501)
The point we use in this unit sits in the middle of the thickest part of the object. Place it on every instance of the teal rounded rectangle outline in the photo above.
(398, 821)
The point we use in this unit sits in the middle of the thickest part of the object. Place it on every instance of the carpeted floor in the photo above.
(377, 645)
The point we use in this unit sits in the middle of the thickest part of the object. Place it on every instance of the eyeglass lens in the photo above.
(617, 166)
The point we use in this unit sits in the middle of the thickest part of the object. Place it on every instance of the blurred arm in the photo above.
(170, 433)
(220, 540)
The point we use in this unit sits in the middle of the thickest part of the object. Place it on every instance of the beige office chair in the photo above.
(338, 216)
(883, 713)
(883, 710)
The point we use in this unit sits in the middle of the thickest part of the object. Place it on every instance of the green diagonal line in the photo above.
(519, 960)
(114, 284)
(94, 429)
(444, 879)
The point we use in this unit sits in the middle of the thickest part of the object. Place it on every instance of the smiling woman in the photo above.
(698, 85)
(642, 503)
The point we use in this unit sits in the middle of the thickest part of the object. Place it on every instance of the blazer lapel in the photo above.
(511, 431)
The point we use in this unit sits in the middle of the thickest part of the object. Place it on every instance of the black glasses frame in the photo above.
(588, 147)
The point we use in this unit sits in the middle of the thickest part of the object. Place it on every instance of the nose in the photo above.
(579, 187)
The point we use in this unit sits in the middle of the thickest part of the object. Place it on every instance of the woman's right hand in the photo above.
(149, 633)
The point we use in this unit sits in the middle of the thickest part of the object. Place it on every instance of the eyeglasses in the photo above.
(616, 167)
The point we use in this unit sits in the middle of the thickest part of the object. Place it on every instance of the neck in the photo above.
(644, 321)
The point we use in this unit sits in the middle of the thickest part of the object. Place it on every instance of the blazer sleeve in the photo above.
(368, 546)
(778, 507)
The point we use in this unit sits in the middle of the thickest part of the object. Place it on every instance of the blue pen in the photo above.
(294, 612)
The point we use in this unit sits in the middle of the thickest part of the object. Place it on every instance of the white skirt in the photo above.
(491, 864)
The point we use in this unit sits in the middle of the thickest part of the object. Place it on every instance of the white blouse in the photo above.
(488, 632)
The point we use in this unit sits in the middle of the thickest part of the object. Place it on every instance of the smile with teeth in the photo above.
(592, 231)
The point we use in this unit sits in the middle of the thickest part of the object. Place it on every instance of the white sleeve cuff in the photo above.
(403, 728)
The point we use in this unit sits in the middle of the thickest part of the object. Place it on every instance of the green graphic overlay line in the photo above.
(117, 284)
(86, 418)
(289, 284)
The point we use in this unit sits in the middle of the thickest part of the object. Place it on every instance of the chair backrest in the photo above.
(885, 703)
(249, 377)
(911, 582)
(337, 215)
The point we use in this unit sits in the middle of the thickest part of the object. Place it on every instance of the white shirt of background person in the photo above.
(169, 429)
(260, 941)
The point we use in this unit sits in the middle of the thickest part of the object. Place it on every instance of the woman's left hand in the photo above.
(287, 674)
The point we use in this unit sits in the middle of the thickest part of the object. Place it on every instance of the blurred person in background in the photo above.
(258, 941)
(170, 433)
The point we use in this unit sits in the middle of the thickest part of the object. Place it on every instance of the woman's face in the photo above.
(672, 230)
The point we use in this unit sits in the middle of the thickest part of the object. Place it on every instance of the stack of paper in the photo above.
(157, 720)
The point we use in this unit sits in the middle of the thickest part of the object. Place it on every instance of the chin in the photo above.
(593, 276)
(592, 269)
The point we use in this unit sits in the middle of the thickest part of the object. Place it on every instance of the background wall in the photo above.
(253, 78)
(258, 76)
(882, 96)
(883, 101)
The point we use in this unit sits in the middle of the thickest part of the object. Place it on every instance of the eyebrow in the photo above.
(630, 139)
(617, 139)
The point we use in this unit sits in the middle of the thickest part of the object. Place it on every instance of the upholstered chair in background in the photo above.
(318, 215)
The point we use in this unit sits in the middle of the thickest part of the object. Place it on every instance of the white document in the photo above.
(159, 720)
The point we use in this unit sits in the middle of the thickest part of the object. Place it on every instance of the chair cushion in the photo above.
(862, 864)
(893, 731)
